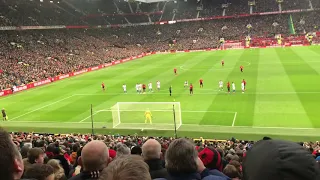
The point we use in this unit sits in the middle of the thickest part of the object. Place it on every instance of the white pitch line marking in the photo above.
(187, 111)
(89, 116)
(234, 118)
(193, 125)
(41, 107)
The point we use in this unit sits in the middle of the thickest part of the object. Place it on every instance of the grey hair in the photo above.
(122, 149)
(181, 157)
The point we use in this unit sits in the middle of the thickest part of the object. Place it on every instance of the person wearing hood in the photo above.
(279, 160)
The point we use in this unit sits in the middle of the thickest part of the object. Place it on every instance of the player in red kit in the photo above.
(175, 71)
(191, 89)
(222, 62)
(103, 86)
(201, 83)
(241, 68)
(144, 88)
(245, 83)
(228, 86)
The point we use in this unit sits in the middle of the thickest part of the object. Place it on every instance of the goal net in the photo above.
(135, 115)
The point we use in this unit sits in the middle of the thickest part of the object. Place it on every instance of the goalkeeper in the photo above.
(148, 116)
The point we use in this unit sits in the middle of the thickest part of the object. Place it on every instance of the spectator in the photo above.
(11, 163)
(59, 154)
(151, 153)
(122, 150)
(57, 169)
(278, 160)
(24, 151)
(35, 156)
(130, 167)
(136, 150)
(94, 157)
(40, 172)
(212, 160)
(231, 172)
(182, 162)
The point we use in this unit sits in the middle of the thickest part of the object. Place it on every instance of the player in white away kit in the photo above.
(242, 87)
(233, 87)
(140, 88)
(124, 87)
(158, 85)
(220, 85)
(137, 87)
(186, 84)
(150, 87)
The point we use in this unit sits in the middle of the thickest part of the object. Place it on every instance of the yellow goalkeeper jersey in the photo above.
(147, 113)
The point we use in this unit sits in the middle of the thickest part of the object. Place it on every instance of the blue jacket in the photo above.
(216, 172)
(204, 175)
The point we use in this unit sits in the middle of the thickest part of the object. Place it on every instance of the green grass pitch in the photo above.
(282, 97)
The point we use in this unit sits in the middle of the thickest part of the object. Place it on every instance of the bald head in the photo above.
(94, 156)
(151, 149)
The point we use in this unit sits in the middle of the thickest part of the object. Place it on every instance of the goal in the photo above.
(131, 115)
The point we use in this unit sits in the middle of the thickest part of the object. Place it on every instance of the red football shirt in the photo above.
(228, 84)
(244, 82)
(191, 87)
(200, 80)
(102, 85)
(175, 70)
(143, 86)
(241, 67)
(222, 61)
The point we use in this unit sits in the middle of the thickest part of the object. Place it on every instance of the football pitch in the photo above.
(282, 96)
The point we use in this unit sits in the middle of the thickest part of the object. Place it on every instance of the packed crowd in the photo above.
(28, 56)
(83, 12)
(115, 157)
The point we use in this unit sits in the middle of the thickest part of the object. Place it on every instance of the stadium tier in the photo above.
(106, 89)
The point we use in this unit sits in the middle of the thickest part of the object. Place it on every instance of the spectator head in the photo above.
(24, 151)
(122, 149)
(275, 159)
(151, 149)
(136, 150)
(237, 165)
(57, 169)
(11, 164)
(231, 171)
(36, 155)
(40, 172)
(181, 157)
(211, 158)
(130, 167)
(94, 156)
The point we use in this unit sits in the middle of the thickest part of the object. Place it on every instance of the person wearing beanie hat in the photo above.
(136, 150)
(279, 160)
(212, 160)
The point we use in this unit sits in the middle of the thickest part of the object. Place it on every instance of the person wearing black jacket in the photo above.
(94, 158)
(151, 153)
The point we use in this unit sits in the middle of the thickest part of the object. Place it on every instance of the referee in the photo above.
(4, 115)
(170, 90)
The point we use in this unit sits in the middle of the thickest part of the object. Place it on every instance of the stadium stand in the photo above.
(215, 157)
(33, 55)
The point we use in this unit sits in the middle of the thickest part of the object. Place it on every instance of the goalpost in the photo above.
(131, 115)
